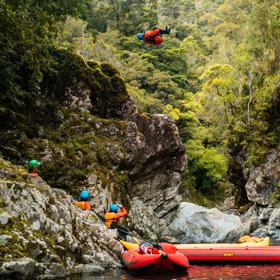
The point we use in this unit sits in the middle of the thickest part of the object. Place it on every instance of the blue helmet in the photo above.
(140, 36)
(84, 195)
(113, 208)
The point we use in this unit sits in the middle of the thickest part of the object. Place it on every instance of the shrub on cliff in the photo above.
(27, 30)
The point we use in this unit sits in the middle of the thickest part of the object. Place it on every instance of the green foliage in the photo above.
(27, 31)
(145, 102)
(216, 75)
(208, 164)
(126, 16)
(208, 197)
(213, 75)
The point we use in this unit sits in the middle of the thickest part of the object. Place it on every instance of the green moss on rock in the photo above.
(107, 89)
(72, 143)
(12, 172)
(121, 179)
(22, 243)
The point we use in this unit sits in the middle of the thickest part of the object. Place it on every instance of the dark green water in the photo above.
(227, 272)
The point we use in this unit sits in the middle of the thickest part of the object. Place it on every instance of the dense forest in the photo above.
(217, 75)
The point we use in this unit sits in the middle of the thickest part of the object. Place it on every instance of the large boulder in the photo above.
(197, 224)
(144, 220)
(263, 179)
(89, 86)
(146, 147)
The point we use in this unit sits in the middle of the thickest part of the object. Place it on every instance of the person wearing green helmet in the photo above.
(33, 165)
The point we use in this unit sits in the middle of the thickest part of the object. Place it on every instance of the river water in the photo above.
(227, 272)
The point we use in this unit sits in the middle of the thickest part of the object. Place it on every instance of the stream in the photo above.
(226, 272)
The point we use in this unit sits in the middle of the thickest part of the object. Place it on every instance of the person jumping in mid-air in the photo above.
(153, 36)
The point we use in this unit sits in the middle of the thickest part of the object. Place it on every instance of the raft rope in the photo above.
(154, 244)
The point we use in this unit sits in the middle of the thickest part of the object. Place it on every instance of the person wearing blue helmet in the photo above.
(84, 195)
(83, 203)
(140, 36)
(114, 208)
(112, 217)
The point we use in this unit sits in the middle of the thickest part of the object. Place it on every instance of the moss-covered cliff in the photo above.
(84, 127)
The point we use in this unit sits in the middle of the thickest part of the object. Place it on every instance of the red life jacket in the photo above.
(153, 37)
(151, 33)
(33, 172)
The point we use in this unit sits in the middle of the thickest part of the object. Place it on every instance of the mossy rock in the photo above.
(20, 230)
(74, 143)
(107, 88)
(11, 172)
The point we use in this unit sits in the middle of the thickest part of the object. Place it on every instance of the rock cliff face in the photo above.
(87, 132)
(156, 174)
(263, 180)
(42, 233)
(262, 190)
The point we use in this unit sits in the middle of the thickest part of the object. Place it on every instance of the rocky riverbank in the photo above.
(259, 217)
(43, 234)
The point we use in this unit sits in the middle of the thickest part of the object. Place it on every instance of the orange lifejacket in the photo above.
(112, 217)
(153, 37)
(151, 33)
(84, 205)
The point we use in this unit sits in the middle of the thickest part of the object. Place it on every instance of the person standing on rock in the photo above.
(33, 166)
(112, 217)
(83, 203)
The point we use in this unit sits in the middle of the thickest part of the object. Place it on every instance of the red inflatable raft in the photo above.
(151, 260)
(231, 254)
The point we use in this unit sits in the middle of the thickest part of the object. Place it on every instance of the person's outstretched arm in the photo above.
(122, 213)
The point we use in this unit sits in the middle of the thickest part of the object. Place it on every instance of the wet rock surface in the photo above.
(197, 224)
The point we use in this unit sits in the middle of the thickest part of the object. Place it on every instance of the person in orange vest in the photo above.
(112, 217)
(83, 203)
(33, 166)
(154, 36)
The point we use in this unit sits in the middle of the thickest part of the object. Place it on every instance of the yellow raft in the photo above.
(243, 242)
(128, 245)
(256, 242)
